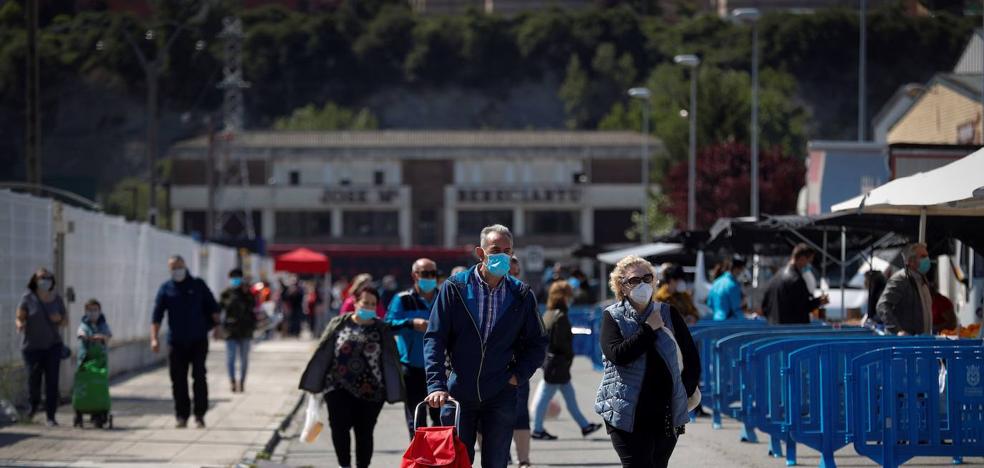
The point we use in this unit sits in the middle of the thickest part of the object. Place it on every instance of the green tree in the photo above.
(329, 117)
(723, 106)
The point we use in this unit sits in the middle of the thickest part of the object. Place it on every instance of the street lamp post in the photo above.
(692, 62)
(862, 71)
(645, 95)
(751, 16)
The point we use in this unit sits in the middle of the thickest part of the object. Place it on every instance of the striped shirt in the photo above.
(489, 302)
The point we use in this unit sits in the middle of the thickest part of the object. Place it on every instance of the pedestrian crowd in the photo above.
(464, 347)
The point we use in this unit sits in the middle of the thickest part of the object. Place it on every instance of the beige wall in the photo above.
(936, 117)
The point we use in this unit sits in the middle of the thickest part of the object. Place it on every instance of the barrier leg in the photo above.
(748, 433)
(775, 450)
(958, 460)
(716, 413)
(790, 450)
(827, 459)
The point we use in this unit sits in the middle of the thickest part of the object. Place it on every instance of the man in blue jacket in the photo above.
(407, 316)
(487, 323)
(191, 312)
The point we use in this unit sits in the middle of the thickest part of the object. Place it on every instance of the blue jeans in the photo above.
(238, 346)
(544, 393)
(496, 415)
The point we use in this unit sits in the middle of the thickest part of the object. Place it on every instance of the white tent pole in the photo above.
(922, 225)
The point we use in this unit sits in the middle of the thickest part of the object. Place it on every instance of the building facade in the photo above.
(428, 189)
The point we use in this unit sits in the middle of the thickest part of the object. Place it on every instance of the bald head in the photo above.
(424, 273)
(423, 264)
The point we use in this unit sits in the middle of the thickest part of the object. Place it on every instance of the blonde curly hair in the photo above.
(618, 274)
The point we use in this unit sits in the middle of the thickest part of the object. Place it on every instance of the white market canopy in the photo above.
(956, 189)
(647, 250)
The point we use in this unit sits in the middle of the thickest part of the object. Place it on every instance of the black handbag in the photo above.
(556, 369)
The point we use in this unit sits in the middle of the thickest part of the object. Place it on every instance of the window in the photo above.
(553, 222)
(371, 224)
(610, 226)
(470, 223)
(379, 177)
(295, 177)
(303, 225)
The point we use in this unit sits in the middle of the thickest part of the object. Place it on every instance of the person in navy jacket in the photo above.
(487, 323)
(191, 312)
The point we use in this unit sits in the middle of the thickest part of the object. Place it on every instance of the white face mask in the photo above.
(681, 286)
(178, 274)
(642, 294)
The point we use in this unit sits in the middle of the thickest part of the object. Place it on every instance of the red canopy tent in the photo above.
(303, 261)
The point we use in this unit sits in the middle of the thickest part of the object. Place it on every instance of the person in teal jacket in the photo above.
(724, 298)
(407, 316)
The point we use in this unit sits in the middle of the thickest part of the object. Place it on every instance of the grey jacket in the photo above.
(900, 307)
(313, 379)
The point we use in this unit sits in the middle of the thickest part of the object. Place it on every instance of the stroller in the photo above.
(436, 447)
(90, 394)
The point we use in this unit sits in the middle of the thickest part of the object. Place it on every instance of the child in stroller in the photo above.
(91, 391)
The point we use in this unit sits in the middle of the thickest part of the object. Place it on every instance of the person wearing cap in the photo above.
(673, 291)
(724, 298)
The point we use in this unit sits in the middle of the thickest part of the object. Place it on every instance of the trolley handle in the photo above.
(449, 401)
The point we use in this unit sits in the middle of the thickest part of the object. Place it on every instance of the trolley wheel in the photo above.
(110, 422)
(78, 419)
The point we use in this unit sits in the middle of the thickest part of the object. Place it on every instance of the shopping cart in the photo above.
(436, 447)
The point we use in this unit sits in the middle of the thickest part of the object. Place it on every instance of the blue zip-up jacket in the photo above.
(480, 370)
(405, 307)
(724, 298)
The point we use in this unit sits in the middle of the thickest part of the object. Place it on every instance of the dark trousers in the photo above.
(183, 355)
(415, 379)
(348, 413)
(642, 448)
(43, 364)
(495, 417)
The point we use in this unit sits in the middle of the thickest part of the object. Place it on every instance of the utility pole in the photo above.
(32, 150)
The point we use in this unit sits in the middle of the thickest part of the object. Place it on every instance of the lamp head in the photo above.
(746, 15)
(687, 60)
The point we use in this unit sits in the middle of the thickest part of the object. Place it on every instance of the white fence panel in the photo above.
(26, 234)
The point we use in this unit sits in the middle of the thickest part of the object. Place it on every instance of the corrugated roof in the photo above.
(428, 138)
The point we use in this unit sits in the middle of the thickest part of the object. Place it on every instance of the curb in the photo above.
(275, 438)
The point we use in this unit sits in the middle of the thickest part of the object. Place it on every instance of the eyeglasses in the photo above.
(635, 280)
(427, 274)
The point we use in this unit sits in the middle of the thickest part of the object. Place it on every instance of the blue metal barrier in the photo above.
(902, 412)
(814, 379)
(586, 325)
(762, 384)
(706, 337)
(726, 390)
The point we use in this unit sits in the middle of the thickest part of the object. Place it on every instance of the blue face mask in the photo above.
(365, 314)
(426, 285)
(498, 264)
(236, 282)
(574, 282)
(924, 265)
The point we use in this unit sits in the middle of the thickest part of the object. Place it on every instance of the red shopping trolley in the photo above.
(436, 447)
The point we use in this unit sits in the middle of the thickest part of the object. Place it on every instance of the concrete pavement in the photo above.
(701, 446)
(239, 425)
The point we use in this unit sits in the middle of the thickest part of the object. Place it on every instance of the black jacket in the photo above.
(560, 349)
(787, 299)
